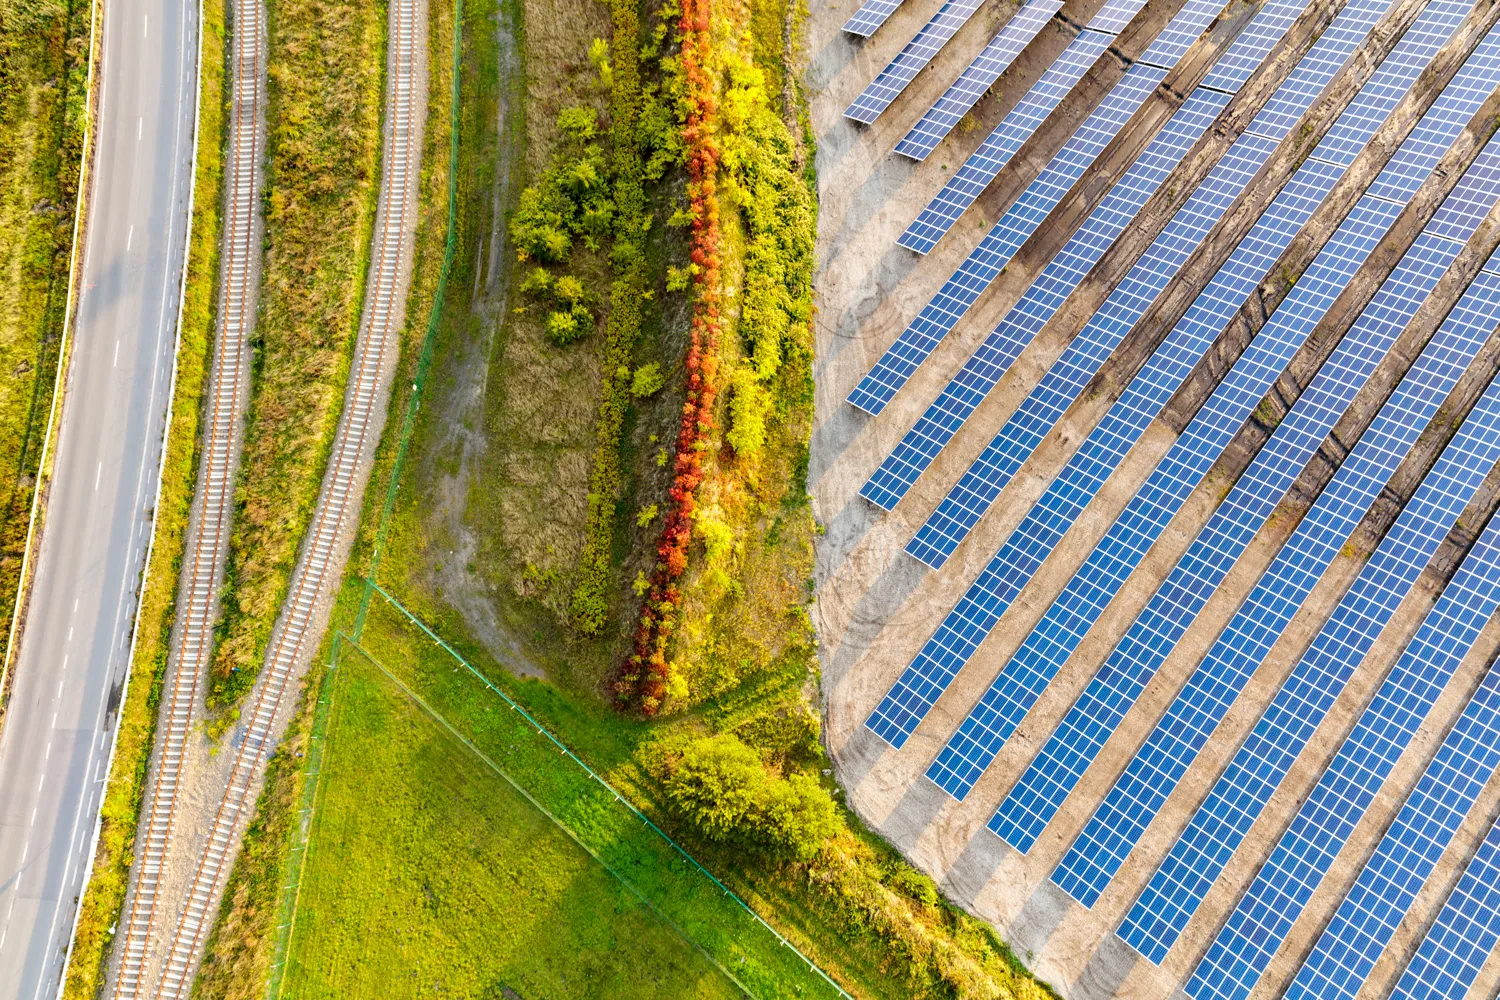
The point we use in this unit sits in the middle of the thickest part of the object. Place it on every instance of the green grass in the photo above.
(43, 82)
(428, 874)
(105, 894)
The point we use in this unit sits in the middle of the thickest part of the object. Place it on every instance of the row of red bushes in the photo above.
(643, 680)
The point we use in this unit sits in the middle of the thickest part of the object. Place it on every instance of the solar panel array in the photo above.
(967, 501)
(910, 61)
(870, 16)
(914, 693)
(1366, 613)
(982, 165)
(982, 73)
(1090, 590)
(1066, 270)
(1465, 932)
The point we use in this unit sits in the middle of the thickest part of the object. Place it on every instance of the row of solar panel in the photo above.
(987, 259)
(1467, 927)
(897, 715)
(1296, 565)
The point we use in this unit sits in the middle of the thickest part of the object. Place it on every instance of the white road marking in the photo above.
(139, 123)
(97, 473)
(145, 25)
(70, 633)
(115, 365)
(129, 238)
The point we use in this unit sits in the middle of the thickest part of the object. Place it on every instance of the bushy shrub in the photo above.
(724, 789)
(564, 327)
(647, 380)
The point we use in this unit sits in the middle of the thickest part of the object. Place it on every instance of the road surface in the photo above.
(71, 664)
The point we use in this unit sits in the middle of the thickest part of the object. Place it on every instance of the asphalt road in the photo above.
(70, 668)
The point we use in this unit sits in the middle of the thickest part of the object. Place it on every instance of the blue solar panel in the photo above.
(999, 146)
(1116, 826)
(1288, 879)
(990, 724)
(1449, 959)
(870, 16)
(978, 78)
(1036, 306)
(1120, 820)
(1410, 849)
(1068, 620)
(1077, 740)
(914, 693)
(936, 540)
(1225, 817)
(918, 52)
(987, 259)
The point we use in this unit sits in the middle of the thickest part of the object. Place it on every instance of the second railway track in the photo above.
(151, 963)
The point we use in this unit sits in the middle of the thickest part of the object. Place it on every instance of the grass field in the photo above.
(428, 874)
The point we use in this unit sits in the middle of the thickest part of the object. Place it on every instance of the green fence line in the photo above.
(567, 751)
(556, 821)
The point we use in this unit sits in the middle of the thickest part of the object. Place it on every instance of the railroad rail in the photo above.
(326, 545)
(208, 532)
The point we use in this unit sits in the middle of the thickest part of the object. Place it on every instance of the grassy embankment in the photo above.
(851, 904)
(44, 48)
(325, 69)
(105, 894)
(524, 493)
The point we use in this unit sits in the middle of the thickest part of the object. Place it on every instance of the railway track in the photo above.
(325, 547)
(208, 539)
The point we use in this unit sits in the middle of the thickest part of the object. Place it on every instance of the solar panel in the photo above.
(1325, 821)
(1224, 818)
(1387, 884)
(1222, 821)
(1115, 15)
(972, 748)
(978, 78)
(1122, 818)
(970, 751)
(870, 16)
(971, 497)
(987, 259)
(918, 52)
(1117, 825)
(982, 166)
(1449, 958)
(916, 690)
(1082, 733)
